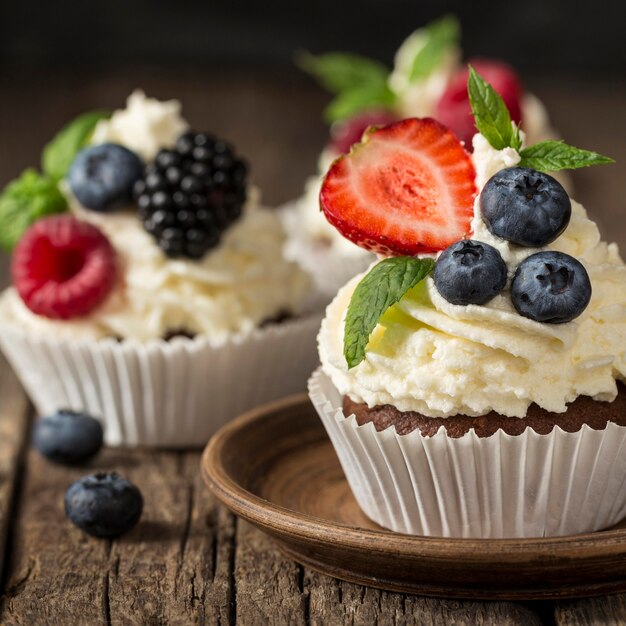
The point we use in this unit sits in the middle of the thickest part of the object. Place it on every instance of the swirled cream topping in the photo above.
(145, 126)
(440, 359)
(233, 289)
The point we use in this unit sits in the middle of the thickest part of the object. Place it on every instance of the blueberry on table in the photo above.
(68, 437)
(470, 272)
(103, 504)
(551, 287)
(525, 207)
(102, 176)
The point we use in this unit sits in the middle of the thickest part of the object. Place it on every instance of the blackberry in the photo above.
(191, 194)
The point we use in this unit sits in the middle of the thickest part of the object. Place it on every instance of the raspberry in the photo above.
(190, 195)
(63, 268)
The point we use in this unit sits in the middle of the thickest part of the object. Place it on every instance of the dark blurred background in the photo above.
(231, 64)
(536, 35)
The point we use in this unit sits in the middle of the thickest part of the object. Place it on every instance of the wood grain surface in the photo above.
(189, 560)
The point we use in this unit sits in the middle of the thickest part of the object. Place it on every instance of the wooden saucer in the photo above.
(276, 467)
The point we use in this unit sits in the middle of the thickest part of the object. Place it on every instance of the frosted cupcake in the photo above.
(158, 299)
(472, 380)
(427, 80)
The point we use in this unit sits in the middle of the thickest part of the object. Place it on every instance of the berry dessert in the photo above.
(149, 284)
(491, 336)
(427, 80)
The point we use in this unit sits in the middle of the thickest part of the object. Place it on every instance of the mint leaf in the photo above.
(348, 103)
(25, 200)
(342, 71)
(359, 83)
(60, 152)
(383, 286)
(441, 36)
(492, 118)
(551, 156)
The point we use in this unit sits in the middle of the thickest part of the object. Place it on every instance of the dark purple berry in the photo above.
(551, 287)
(470, 272)
(103, 177)
(68, 437)
(190, 195)
(103, 505)
(525, 207)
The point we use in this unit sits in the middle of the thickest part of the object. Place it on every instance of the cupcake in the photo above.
(155, 295)
(472, 380)
(427, 80)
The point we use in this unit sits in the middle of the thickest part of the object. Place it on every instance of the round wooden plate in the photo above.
(276, 467)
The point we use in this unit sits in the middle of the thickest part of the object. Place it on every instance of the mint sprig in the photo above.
(358, 82)
(491, 115)
(383, 286)
(494, 122)
(551, 156)
(58, 155)
(25, 200)
(441, 35)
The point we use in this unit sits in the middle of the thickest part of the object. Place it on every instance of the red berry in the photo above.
(63, 267)
(345, 134)
(454, 109)
(407, 188)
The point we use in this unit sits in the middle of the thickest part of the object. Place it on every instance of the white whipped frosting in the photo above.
(440, 359)
(234, 288)
(145, 126)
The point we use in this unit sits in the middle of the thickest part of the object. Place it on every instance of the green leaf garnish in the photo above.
(358, 82)
(58, 155)
(441, 36)
(551, 156)
(25, 200)
(383, 286)
(492, 118)
(348, 103)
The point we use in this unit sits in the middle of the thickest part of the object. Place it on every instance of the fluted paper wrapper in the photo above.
(165, 394)
(500, 486)
(328, 267)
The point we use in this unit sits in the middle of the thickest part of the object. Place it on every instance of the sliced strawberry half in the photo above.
(405, 189)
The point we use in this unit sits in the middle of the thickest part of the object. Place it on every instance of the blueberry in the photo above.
(102, 177)
(68, 437)
(525, 207)
(103, 505)
(550, 287)
(470, 272)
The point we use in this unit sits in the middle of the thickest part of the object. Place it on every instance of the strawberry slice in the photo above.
(405, 189)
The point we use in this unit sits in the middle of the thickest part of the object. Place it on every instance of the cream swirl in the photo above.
(233, 289)
(440, 359)
(145, 126)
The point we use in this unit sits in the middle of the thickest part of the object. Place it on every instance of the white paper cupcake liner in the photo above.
(329, 268)
(500, 486)
(165, 394)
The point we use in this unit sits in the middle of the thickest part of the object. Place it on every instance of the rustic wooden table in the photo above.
(189, 560)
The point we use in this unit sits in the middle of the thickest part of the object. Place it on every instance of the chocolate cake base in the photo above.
(584, 410)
